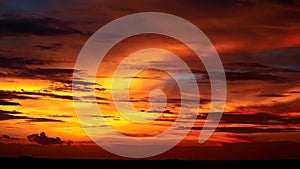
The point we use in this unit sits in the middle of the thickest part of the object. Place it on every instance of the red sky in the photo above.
(258, 44)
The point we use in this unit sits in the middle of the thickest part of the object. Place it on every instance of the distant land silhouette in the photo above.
(43, 163)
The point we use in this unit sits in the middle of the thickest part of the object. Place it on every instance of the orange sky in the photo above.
(258, 43)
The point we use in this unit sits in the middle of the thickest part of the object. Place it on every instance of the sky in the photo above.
(257, 42)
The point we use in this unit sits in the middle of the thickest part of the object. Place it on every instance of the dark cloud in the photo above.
(278, 65)
(31, 119)
(287, 58)
(232, 75)
(258, 118)
(246, 71)
(172, 100)
(61, 78)
(68, 85)
(292, 92)
(168, 112)
(251, 71)
(247, 65)
(51, 74)
(7, 137)
(85, 83)
(10, 62)
(44, 139)
(258, 67)
(103, 103)
(8, 103)
(16, 25)
(138, 134)
(274, 108)
(272, 95)
(66, 97)
(246, 2)
(6, 94)
(254, 118)
(284, 2)
(175, 100)
(166, 119)
(91, 99)
(100, 89)
(199, 70)
(96, 97)
(9, 115)
(29, 68)
(146, 78)
(52, 46)
(61, 116)
(158, 111)
(249, 130)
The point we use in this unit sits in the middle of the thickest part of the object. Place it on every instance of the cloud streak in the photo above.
(28, 95)
(250, 130)
(14, 115)
(42, 26)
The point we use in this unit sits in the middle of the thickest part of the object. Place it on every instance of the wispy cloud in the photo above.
(31, 95)
(51, 47)
(274, 108)
(10, 115)
(8, 103)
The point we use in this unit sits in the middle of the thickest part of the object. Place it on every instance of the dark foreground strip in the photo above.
(38, 163)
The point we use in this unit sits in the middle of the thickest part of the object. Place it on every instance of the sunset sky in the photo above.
(258, 44)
